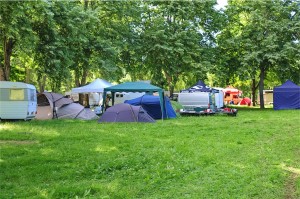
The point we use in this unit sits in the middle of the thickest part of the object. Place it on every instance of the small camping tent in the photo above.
(287, 96)
(152, 105)
(125, 113)
(135, 87)
(245, 101)
(54, 105)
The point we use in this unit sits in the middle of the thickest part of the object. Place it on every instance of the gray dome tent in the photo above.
(54, 105)
(125, 113)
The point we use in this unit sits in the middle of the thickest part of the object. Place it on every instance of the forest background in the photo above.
(58, 45)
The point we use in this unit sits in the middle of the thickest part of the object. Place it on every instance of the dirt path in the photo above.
(17, 142)
(290, 186)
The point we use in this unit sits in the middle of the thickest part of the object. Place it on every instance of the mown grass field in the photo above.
(253, 155)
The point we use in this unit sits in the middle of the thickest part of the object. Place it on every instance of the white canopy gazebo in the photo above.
(97, 86)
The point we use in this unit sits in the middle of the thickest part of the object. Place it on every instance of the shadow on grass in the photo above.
(251, 108)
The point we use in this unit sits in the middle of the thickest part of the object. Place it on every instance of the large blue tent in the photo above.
(152, 105)
(286, 96)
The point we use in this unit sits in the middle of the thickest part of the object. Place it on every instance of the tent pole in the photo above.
(103, 102)
(161, 96)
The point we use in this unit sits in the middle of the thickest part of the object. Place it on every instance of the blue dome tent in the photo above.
(151, 104)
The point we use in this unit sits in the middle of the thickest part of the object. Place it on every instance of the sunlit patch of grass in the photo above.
(5, 127)
(47, 151)
(105, 149)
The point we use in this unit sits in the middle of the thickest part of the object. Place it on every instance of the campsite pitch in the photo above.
(253, 155)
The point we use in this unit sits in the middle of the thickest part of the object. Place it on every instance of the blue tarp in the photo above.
(152, 105)
(286, 96)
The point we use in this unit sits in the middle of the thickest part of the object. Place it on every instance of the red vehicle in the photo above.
(232, 95)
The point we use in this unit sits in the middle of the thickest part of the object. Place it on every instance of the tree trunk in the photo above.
(7, 49)
(27, 75)
(82, 97)
(1, 72)
(170, 83)
(261, 85)
(253, 91)
(42, 83)
(84, 77)
(87, 100)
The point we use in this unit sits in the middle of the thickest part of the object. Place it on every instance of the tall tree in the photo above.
(52, 54)
(177, 37)
(263, 35)
(15, 29)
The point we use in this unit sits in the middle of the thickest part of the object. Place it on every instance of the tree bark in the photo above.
(42, 83)
(170, 83)
(1, 72)
(7, 49)
(253, 90)
(82, 97)
(261, 85)
(27, 75)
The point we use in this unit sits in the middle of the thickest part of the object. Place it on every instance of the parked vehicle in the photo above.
(17, 100)
(219, 97)
(204, 103)
(192, 101)
(232, 95)
(121, 97)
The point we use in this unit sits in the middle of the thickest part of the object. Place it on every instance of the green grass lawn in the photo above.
(253, 155)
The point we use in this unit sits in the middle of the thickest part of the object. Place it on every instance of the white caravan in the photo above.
(192, 101)
(219, 98)
(17, 100)
(122, 97)
(200, 100)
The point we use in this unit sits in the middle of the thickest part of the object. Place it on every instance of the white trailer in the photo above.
(219, 98)
(194, 101)
(122, 97)
(17, 100)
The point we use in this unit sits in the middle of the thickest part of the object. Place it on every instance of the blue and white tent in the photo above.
(200, 86)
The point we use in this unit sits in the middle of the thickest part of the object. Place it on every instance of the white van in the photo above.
(17, 100)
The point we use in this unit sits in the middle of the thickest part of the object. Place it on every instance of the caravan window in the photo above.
(32, 95)
(17, 94)
(119, 95)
